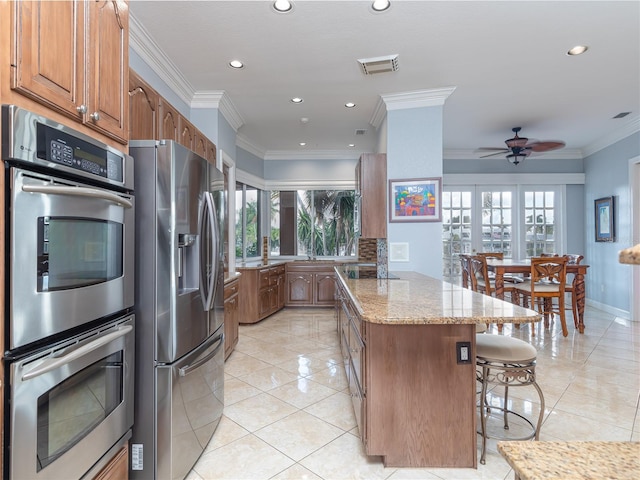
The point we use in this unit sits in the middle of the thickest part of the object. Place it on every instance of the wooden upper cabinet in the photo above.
(200, 144)
(371, 183)
(187, 133)
(72, 57)
(143, 109)
(108, 34)
(48, 53)
(168, 125)
(211, 152)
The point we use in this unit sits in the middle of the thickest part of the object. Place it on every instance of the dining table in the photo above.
(500, 267)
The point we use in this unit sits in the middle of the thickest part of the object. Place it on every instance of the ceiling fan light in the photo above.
(516, 158)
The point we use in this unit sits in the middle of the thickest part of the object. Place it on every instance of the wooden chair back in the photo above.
(498, 255)
(548, 272)
(466, 273)
(479, 274)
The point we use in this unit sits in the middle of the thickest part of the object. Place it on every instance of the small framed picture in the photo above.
(605, 220)
(415, 200)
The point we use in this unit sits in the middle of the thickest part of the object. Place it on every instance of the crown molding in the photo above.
(513, 179)
(416, 99)
(309, 184)
(141, 42)
(463, 154)
(312, 155)
(245, 144)
(631, 127)
(379, 112)
(220, 100)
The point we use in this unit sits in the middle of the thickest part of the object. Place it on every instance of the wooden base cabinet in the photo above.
(231, 289)
(309, 284)
(261, 292)
(117, 468)
(415, 405)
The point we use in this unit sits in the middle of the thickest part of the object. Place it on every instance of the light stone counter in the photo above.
(573, 460)
(414, 298)
(630, 255)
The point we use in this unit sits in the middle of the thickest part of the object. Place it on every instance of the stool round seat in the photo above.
(504, 349)
(507, 362)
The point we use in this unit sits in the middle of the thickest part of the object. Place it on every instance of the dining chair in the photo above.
(547, 281)
(466, 274)
(573, 259)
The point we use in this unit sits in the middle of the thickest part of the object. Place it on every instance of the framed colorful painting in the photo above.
(415, 200)
(605, 220)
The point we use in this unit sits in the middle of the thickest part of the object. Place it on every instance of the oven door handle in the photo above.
(53, 363)
(184, 371)
(78, 191)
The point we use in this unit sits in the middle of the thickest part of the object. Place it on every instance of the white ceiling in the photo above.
(506, 59)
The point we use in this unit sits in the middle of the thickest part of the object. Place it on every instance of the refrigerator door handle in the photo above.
(184, 371)
(208, 282)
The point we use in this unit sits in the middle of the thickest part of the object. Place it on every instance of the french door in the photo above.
(519, 220)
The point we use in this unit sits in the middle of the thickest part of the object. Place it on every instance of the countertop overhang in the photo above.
(414, 298)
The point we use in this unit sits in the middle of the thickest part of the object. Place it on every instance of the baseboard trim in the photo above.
(618, 312)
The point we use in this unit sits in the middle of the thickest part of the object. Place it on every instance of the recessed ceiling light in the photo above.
(380, 5)
(282, 6)
(302, 144)
(352, 144)
(297, 100)
(578, 50)
(236, 64)
(349, 104)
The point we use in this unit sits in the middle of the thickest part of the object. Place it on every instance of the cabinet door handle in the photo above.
(82, 109)
(95, 116)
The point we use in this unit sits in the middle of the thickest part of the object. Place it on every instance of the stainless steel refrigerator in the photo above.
(179, 308)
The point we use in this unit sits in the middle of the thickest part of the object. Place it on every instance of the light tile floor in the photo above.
(288, 414)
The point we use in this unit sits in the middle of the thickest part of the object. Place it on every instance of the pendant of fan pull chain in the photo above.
(519, 148)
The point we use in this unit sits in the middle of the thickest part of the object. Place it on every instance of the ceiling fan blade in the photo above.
(545, 146)
(503, 152)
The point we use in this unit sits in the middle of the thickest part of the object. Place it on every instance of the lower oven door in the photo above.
(71, 402)
(71, 255)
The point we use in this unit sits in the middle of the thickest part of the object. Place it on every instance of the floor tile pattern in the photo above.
(288, 413)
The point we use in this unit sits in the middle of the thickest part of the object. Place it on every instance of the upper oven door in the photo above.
(71, 255)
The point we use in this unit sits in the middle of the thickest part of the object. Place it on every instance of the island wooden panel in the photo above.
(421, 409)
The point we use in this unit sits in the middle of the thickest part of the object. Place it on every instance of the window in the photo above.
(312, 223)
(247, 221)
(522, 221)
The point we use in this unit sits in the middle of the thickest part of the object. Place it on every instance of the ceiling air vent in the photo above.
(361, 131)
(374, 65)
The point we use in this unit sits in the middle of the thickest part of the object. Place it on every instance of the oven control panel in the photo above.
(59, 147)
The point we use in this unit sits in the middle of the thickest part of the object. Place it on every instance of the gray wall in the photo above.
(311, 170)
(607, 173)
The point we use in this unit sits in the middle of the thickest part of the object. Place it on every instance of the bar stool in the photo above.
(508, 362)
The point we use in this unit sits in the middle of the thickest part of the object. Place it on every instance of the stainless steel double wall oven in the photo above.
(69, 283)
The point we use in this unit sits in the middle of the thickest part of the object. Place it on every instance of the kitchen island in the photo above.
(408, 346)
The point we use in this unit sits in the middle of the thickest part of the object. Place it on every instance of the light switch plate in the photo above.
(399, 252)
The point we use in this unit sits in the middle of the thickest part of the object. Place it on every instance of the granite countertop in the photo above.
(573, 460)
(630, 255)
(261, 264)
(228, 277)
(413, 298)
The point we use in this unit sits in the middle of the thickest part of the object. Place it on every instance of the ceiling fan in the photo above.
(519, 148)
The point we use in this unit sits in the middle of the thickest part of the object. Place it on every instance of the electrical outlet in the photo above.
(463, 352)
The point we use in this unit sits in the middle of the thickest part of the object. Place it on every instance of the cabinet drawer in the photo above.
(230, 289)
(263, 278)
